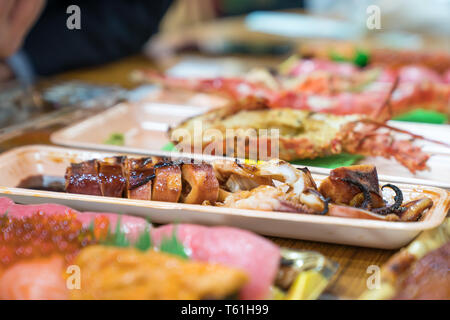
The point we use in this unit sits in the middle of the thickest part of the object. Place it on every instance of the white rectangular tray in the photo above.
(144, 126)
(20, 163)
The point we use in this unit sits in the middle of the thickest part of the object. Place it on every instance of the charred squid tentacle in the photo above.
(290, 206)
(413, 210)
(398, 200)
(367, 196)
(325, 201)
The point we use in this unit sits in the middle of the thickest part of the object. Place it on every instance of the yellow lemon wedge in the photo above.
(307, 286)
(277, 294)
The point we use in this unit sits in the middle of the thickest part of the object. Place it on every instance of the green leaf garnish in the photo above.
(422, 115)
(117, 139)
(173, 246)
(169, 147)
(91, 227)
(144, 241)
(170, 245)
(120, 236)
(331, 162)
(361, 58)
(116, 239)
(334, 56)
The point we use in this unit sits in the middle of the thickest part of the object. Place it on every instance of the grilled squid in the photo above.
(83, 178)
(284, 174)
(352, 186)
(148, 178)
(140, 175)
(274, 185)
(357, 186)
(167, 182)
(415, 209)
(112, 176)
(199, 183)
(234, 176)
(264, 197)
(395, 207)
(282, 188)
(315, 200)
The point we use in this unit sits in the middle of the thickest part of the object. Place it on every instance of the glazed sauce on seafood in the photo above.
(43, 182)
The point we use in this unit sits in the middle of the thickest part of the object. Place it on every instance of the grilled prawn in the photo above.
(302, 135)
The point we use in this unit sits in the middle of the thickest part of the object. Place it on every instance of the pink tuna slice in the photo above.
(131, 225)
(230, 247)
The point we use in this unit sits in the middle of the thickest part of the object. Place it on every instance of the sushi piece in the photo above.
(127, 273)
(225, 262)
(38, 279)
(131, 225)
(231, 247)
(32, 266)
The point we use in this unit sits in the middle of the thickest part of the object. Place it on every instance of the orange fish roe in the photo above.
(101, 227)
(41, 235)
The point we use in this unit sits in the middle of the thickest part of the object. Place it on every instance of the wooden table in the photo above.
(350, 280)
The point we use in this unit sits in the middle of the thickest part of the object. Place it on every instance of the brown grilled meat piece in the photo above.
(167, 184)
(199, 183)
(112, 176)
(340, 190)
(140, 173)
(82, 178)
(427, 278)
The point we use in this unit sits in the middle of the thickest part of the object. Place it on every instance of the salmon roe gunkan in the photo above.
(41, 235)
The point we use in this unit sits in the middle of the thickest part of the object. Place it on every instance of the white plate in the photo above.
(20, 163)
